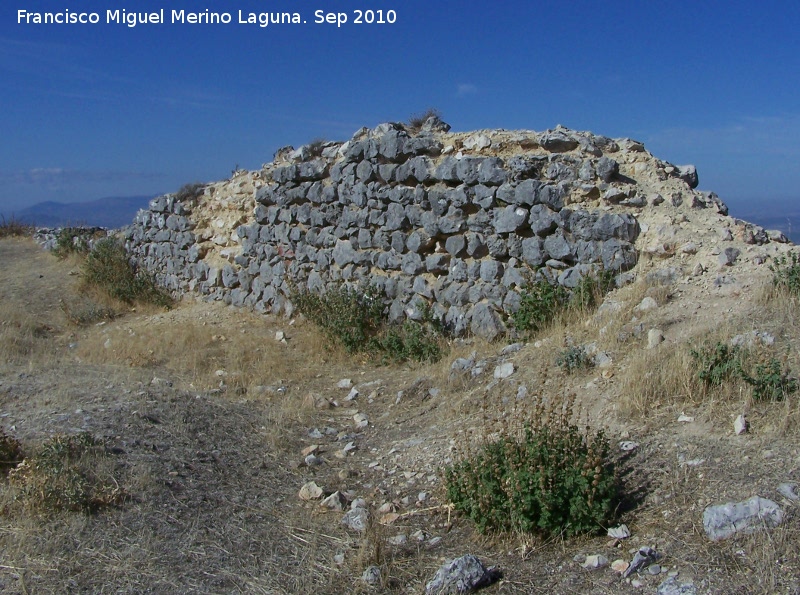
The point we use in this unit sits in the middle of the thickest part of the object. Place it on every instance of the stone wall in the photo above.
(459, 222)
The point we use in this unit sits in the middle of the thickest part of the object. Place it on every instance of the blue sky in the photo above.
(106, 110)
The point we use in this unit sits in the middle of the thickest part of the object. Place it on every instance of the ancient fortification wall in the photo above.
(460, 221)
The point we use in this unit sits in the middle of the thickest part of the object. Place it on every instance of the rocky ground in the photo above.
(216, 418)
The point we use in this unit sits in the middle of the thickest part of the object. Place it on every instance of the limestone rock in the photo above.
(595, 561)
(740, 425)
(462, 575)
(672, 586)
(310, 491)
(726, 520)
(504, 370)
(356, 519)
(654, 338)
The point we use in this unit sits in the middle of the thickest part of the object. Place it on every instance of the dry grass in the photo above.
(213, 473)
(15, 228)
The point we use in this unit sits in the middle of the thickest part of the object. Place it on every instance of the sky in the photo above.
(95, 110)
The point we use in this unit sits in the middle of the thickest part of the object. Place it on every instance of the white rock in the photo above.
(654, 338)
(312, 460)
(310, 491)
(280, 336)
(619, 566)
(628, 445)
(401, 539)
(595, 561)
(335, 501)
(352, 395)
(372, 575)
(621, 532)
(646, 304)
(740, 425)
(685, 419)
(787, 490)
(361, 421)
(727, 520)
(477, 142)
(344, 383)
(504, 370)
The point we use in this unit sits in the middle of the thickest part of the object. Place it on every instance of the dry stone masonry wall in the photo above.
(459, 221)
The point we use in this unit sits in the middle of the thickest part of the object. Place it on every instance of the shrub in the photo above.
(786, 273)
(316, 146)
(62, 475)
(415, 121)
(355, 319)
(539, 304)
(87, 312)
(573, 358)
(411, 340)
(717, 363)
(590, 290)
(345, 315)
(771, 382)
(107, 267)
(551, 477)
(72, 240)
(190, 192)
(14, 227)
(10, 452)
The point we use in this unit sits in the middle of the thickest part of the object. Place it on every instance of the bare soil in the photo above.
(206, 437)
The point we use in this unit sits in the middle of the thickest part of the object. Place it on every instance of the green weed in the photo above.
(108, 268)
(551, 477)
(786, 272)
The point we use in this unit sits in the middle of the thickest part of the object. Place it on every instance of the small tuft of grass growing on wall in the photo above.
(189, 193)
(416, 121)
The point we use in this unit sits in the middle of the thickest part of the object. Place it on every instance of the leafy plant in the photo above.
(72, 240)
(61, 475)
(717, 363)
(345, 315)
(786, 272)
(573, 358)
(10, 452)
(590, 290)
(411, 340)
(551, 477)
(355, 319)
(108, 268)
(771, 382)
(539, 304)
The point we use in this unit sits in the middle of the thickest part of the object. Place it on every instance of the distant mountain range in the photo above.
(111, 212)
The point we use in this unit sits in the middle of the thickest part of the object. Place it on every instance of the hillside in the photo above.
(111, 212)
(214, 417)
